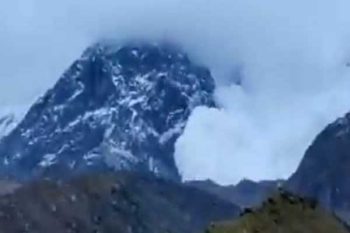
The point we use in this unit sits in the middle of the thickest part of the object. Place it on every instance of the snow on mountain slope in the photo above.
(9, 119)
(118, 108)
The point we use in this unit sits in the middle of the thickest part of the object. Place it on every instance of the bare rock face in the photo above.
(118, 108)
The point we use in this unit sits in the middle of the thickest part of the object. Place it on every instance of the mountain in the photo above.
(284, 213)
(324, 172)
(119, 108)
(109, 203)
(246, 193)
(9, 119)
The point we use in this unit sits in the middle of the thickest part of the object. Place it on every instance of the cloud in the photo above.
(294, 82)
(289, 55)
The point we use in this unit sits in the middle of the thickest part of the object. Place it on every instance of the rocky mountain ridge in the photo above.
(115, 108)
(324, 172)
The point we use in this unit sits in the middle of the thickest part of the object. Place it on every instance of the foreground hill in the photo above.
(284, 213)
(111, 203)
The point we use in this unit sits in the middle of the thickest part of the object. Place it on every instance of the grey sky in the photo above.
(292, 56)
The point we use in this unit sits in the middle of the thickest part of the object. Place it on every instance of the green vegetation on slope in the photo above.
(284, 213)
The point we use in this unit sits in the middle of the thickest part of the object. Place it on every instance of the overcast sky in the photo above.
(291, 56)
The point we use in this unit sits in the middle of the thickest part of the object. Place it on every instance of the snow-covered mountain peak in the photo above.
(116, 107)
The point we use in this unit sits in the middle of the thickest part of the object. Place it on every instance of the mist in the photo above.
(290, 59)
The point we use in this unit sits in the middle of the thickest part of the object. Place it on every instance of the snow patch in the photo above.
(90, 156)
(48, 160)
(10, 117)
(165, 137)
